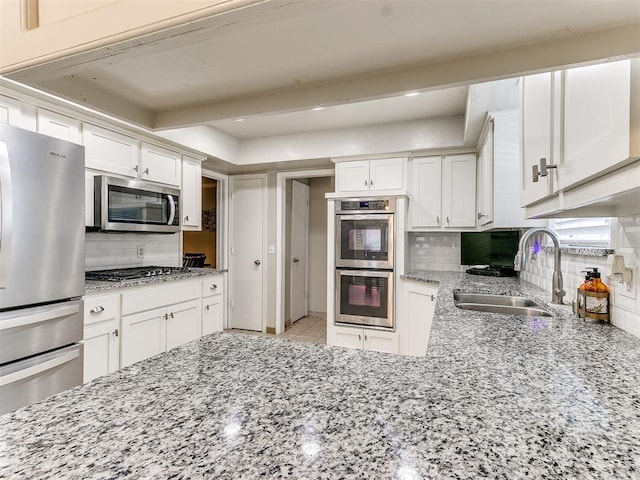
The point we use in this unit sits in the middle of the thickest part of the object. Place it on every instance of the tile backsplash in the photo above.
(116, 250)
(434, 251)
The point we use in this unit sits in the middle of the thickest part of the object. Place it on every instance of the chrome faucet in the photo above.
(519, 263)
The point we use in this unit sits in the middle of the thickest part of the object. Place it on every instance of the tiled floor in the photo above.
(307, 329)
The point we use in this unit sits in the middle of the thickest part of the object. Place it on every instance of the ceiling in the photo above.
(264, 73)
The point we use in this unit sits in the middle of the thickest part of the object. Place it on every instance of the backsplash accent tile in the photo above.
(116, 250)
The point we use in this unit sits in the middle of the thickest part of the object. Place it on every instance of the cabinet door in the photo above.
(160, 165)
(184, 323)
(418, 302)
(58, 126)
(379, 341)
(386, 174)
(143, 335)
(109, 151)
(536, 111)
(212, 315)
(459, 191)
(101, 349)
(485, 178)
(348, 337)
(17, 113)
(352, 176)
(425, 207)
(191, 194)
(596, 120)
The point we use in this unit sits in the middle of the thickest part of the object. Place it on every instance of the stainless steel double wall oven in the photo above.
(364, 262)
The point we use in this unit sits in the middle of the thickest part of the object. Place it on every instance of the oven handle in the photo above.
(39, 317)
(172, 209)
(39, 368)
(6, 215)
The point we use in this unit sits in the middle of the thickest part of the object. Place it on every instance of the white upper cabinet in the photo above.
(191, 195)
(158, 164)
(443, 192)
(499, 173)
(58, 126)
(17, 113)
(577, 121)
(385, 175)
(109, 151)
(459, 190)
(426, 192)
(596, 121)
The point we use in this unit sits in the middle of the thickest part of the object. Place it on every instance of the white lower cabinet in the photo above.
(212, 305)
(365, 339)
(415, 309)
(101, 335)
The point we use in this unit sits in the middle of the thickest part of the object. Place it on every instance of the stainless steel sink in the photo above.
(505, 304)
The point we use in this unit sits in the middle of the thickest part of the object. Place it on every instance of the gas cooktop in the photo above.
(120, 274)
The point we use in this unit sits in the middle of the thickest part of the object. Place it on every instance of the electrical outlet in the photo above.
(140, 251)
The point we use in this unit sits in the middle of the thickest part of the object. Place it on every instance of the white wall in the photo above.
(115, 250)
(375, 139)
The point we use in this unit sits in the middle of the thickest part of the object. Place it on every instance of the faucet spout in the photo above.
(520, 261)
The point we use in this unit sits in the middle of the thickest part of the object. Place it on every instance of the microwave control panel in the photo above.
(382, 205)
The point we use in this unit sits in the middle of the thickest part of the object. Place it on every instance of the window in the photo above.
(592, 231)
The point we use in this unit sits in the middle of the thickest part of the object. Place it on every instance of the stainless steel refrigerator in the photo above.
(41, 266)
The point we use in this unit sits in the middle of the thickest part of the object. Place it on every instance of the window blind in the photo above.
(593, 231)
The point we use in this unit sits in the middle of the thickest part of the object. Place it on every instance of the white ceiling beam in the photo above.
(613, 44)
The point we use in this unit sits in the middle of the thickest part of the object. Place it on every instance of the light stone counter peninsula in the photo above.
(497, 396)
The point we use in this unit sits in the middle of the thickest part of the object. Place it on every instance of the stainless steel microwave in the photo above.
(122, 205)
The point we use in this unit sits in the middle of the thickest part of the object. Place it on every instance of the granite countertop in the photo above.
(497, 396)
(94, 286)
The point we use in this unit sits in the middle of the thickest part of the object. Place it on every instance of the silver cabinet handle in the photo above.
(146, 170)
(257, 262)
(371, 183)
(433, 298)
(365, 338)
(438, 220)
(186, 218)
(447, 219)
(542, 170)
(136, 168)
(296, 260)
(213, 286)
(98, 309)
(171, 315)
(206, 307)
(359, 337)
(115, 333)
(165, 316)
(366, 183)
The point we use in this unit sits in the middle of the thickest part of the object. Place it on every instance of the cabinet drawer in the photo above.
(212, 286)
(100, 308)
(148, 298)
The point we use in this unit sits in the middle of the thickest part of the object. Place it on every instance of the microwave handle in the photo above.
(6, 214)
(172, 209)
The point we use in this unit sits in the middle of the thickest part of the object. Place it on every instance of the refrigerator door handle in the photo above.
(6, 215)
(39, 368)
(172, 209)
(38, 317)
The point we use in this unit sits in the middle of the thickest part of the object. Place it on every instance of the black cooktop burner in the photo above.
(119, 274)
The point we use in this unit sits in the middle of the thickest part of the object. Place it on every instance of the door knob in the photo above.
(257, 262)
(296, 260)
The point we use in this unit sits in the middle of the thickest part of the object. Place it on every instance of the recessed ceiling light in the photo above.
(239, 120)
(316, 109)
(411, 94)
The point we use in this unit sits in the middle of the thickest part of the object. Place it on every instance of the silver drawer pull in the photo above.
(213, 287)
(98, 309)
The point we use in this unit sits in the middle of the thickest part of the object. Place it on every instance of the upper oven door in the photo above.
(134, 206)
(364, 241)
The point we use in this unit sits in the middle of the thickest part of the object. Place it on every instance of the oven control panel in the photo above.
(385, 205)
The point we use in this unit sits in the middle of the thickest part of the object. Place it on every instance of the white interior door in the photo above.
(247, 248)
(299, 250)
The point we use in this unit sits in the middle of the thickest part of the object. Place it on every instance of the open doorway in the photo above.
(303, 269)
(201, 247)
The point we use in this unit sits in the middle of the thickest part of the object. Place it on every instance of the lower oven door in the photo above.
(364, 297)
